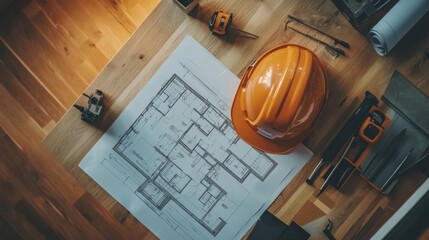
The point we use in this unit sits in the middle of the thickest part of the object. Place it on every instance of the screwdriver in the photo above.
(325, 184)
(335, 49)
(345, 133)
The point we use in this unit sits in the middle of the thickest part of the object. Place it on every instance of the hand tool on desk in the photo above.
(220, 23)
(371, 129)
(345, 133)
(400, 172)
(344, 176)
(387, 183)
(369, 132)
(386, 154)
(336, 40)
(325, 184)
(335, 49)
(92, 112)
(327, 231)
(408, 168)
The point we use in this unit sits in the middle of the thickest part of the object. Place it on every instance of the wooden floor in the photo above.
(49, 52)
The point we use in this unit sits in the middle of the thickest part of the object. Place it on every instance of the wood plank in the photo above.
(99, 25)
(102, 220)
(117, 9)
(23, 97)
(46, 197)
(38, 38)
(60, 17)
(131, 223)
(32, 201)
(137, 12)
(33, 165)
(67, 32)
(11, 113)
(62, 44)
(20, 223)
(33, 85)
(39, 55)
(37, 219)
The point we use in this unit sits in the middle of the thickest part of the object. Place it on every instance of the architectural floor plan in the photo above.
(178, 164)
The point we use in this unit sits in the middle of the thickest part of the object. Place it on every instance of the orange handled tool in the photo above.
(371, 129)
(221, 23)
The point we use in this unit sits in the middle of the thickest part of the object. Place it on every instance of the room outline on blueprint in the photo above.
(173, 159)
(185, 164)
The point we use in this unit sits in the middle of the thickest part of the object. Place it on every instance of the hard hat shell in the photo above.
(279, 98)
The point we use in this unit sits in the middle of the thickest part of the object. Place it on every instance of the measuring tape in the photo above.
(221, 23)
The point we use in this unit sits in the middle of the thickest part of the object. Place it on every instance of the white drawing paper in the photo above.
(173, 159)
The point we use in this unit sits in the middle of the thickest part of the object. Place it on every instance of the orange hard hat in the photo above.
(279, 98)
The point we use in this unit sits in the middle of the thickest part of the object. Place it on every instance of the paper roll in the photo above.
(396, 23)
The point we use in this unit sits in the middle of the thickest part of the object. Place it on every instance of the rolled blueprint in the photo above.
(396, 23)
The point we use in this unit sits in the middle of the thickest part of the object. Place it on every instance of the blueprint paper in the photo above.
(173, 159)
(397, 22)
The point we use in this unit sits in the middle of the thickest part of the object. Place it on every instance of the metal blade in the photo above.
(387, 153)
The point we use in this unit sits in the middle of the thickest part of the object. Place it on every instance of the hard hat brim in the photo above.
(250, 136)
(266, 139)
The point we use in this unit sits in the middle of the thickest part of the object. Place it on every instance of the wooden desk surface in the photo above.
(357, 211)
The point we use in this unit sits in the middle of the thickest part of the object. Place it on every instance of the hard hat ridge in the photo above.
(279, 97)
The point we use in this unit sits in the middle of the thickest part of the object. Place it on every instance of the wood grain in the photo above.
(349, 78)
(40, 199)
(49, 52)
(83, 35)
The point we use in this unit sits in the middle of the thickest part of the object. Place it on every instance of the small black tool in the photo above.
(345, 133)
(327, 230)
(336, 40)
(335, 49)
(328, 179)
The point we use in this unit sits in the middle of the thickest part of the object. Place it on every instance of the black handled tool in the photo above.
(335, 49)
(336, 40)
(328, 179)
(345, 133)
